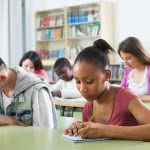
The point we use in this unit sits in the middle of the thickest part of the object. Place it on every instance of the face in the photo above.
(64, 73)
(90, 80)
(28, 65)
(130, 60)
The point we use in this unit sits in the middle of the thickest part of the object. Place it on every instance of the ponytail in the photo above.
(103, 46)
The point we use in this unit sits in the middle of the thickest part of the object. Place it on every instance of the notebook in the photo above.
(78, 139)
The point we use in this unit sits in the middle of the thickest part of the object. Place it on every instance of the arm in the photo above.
(43, 110)
(56, 89)
(145, 98)
(6, 120)
(141, 132)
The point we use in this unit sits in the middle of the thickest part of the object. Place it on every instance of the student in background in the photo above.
(137, 72)
(31, 99)
(31, 62)
(112, 112)
(65, 87)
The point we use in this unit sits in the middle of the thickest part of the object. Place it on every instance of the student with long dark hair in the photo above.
(112, 112)
(31, 62)
(137, 72)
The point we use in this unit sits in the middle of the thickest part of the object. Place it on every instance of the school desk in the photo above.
(35, 138)
(74, 103)
(147, 104)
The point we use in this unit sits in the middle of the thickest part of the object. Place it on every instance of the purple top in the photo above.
(124, 81)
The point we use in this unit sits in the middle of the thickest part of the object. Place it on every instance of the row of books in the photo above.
(83, 16)
(70, 53)
(50, 34)
(54, 54)
(116, 72)
(50, 21)
(91, 30)
(46, 54)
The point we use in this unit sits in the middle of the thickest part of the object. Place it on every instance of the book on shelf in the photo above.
(72, 52)
(55, 54)
(44, 21)
(92, 30)
(83, 16)
(50, 34)
(116, 71)
(59, 20)
(42, 53)
(50, 21)
(74, 17)
(81, 31)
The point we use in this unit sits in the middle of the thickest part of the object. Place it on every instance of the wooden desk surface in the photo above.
(147, 104)
(35, 138)
(69, 102)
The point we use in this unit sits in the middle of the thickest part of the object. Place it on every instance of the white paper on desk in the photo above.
(71, 99)
(78, 139)
(76, 99)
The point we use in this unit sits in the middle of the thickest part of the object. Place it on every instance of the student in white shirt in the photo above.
(65, 87)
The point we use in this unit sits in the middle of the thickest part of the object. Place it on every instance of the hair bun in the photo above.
(102, 45)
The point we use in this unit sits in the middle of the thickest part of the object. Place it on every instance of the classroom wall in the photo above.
(3, 30)
(133, 19)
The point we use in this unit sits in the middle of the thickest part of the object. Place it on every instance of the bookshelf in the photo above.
(64, 32)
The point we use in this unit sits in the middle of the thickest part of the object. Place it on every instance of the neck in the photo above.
(140, 68)
(104, 94)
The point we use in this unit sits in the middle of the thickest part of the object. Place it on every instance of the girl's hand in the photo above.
(92, 130)
(74, 128)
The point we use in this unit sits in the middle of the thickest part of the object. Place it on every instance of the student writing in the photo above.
(137, 72)
(121, 113)
(65, 87)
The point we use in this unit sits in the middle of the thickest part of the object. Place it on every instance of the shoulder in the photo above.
(124, 95)
(41, 72)
(127, 70)
(121, 91)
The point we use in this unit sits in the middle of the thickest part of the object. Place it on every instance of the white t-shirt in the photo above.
(68, 88)
(139, 88)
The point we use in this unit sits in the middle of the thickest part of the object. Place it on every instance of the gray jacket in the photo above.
(32, 102)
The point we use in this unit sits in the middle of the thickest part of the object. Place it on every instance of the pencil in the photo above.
(93, 115)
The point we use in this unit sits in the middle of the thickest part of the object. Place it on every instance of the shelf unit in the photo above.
(66, 31)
